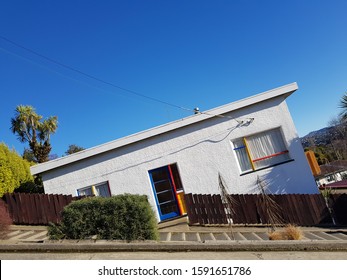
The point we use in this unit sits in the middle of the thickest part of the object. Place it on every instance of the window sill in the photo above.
(263, 168)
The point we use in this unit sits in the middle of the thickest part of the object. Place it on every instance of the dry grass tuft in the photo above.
(293, 232)
(276, 235)
(290, 232)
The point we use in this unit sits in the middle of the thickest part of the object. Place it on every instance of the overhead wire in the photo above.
(51, 70)
(103, 81)
(93, 77)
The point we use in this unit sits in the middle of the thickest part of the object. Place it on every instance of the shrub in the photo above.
(121, 217)
(29, 187)
(13, 170)
(290, 232)
(5, 220)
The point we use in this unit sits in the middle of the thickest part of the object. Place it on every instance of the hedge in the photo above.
(121, 217)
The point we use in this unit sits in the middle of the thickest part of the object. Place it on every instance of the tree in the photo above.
(14, 170)
(343, 106)
(28, 155)
(30, 127)
(31, 187)
(73, 149)
(339, 137)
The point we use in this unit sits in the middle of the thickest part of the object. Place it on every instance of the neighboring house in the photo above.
(332, 172)
(248, 141)
(335, 187)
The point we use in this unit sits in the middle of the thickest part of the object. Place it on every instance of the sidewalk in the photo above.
(181, 237)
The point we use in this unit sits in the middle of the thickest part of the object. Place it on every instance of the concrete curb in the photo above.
(69, 246)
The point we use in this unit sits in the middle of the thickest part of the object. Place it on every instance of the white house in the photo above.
(332, 172)
(246, 141)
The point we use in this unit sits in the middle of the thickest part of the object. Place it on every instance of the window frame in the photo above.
(243, 152)
(93, 189)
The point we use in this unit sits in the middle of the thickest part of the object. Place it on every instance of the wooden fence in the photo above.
(299, 209)
(36, 209)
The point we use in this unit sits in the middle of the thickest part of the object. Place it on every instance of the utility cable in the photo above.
(196, 111)
(93, 77)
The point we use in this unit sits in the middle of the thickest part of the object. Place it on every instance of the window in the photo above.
(261, 150)
(97, 190)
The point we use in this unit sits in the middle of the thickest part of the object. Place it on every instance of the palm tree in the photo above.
(29, 127)
(343, 105)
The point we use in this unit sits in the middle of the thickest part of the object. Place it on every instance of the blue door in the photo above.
(164, 193)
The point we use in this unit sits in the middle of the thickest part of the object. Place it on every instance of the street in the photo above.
(244, 255)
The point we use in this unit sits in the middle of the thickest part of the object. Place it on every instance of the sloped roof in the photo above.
(335, 166)
(335, 185)
(59, 162)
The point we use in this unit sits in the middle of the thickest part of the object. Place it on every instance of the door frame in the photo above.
(174, 193)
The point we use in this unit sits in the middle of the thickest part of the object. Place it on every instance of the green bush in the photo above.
(121, 217)
(14, 170)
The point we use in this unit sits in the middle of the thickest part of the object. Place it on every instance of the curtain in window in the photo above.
(85, 192)
(265, 147)
(99, 190)
(242, 156)
(102, 190)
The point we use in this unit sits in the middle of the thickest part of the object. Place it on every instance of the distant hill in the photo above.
(329, 143)
(321, 137)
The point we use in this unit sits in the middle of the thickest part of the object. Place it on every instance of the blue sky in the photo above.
(187, 53)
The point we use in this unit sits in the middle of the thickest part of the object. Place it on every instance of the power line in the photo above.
(93, 77)
(51, 70)
(196, 110)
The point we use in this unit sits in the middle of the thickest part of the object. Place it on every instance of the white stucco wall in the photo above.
(201, 151)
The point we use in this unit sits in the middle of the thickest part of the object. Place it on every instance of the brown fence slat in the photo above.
(243, 210)
(262, 215)
(294, 210)
(18, 210)
(34, 203)
(11, 206)
(282, 211)
(305, 208)
(283, 201)
(220, 211)
(238, 215)
(245, 204)
(202, 208)
(312, 210)
(56, 206)
(34, 206)
(302, 213)
(188, 199)
(52, 215)
(36, 209)
(252, 206)
(46, 214)
(209, 209)
(24, 219)
(324, 212)
(47, 208)
(315, 210)
(307, 205)
(299, 209)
